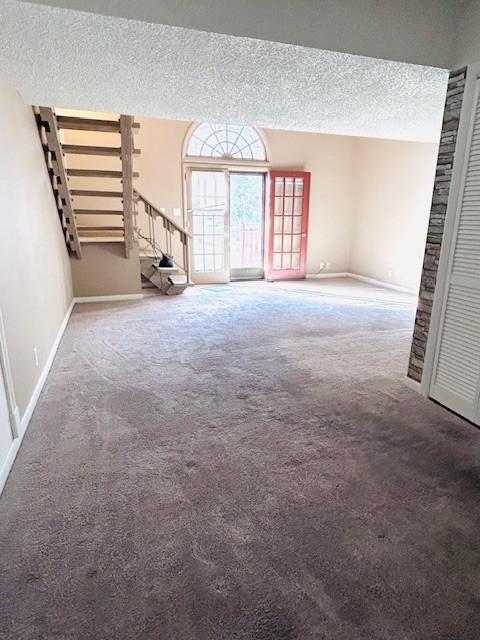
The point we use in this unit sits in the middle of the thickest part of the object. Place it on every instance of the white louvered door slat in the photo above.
(456, 369)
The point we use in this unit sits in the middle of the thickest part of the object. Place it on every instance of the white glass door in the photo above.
(208, 195)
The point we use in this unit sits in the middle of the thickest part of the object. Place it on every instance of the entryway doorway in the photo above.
(247, 215)
(226, 167)
(227, 222)
(226, 175)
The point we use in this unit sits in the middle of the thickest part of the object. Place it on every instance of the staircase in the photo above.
(102, 173)
(170, 280)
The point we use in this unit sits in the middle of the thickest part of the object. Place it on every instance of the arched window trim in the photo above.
(224, 161)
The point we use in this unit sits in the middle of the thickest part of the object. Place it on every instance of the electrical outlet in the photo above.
(35, 355)
(177, 211)
(328, 265)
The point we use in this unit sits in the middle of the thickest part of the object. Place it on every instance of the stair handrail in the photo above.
(170, 226)
(138, 196)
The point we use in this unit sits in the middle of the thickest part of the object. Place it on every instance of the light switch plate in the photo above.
(177, 211)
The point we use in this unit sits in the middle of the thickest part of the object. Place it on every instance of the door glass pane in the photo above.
(287, 243)
(286, 260)
(295, 261)
(299, 186)
(246, 220)
(209, 201)
(289, 186)
(279, 186)
(197, 244)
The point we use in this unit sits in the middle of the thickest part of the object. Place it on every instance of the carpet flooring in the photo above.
(241, 463)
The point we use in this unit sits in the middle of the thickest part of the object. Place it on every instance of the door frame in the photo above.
(281, 274)
(451, 220)
(259, 168)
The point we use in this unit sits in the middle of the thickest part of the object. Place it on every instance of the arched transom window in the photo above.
(227, 141)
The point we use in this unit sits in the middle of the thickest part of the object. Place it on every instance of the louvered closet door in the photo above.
(456, 371)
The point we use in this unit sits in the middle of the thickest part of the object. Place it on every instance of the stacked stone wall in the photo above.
(441, 190)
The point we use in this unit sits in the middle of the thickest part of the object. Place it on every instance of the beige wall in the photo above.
(393, 184)
(104, 271)
(159, 163)
(35, 280)
(330, 159)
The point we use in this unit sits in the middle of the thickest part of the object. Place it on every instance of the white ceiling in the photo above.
(65, 58)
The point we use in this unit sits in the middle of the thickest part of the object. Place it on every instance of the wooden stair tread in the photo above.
(95, 239)
(179, 280)
(91, 124)
(97, 212)
(96, 194)
(97, 173)
(88, 150)
(99, 228)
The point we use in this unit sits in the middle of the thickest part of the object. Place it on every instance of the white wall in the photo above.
(404, 30)
(35, 280)
(394, 184)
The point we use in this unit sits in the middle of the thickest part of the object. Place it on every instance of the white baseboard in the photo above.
(412, 384)
(115, 298)
(23, 423)
(380, 283)
(9, 460)
(321, 275)
(356, 276)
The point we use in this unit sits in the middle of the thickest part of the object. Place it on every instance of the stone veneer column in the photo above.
(446, 152)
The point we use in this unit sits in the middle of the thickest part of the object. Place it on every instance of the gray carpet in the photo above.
(240, 464)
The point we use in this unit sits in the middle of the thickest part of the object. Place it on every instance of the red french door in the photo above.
(289, 201)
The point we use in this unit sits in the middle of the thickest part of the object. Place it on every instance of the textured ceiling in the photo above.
(66, 58)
